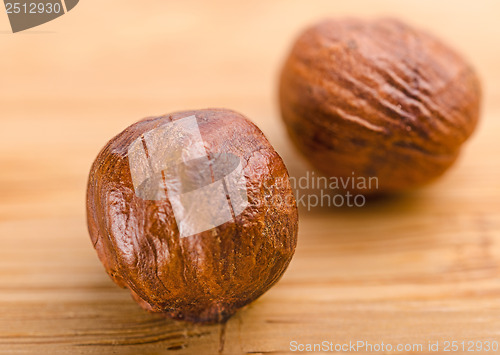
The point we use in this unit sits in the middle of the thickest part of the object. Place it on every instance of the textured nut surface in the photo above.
(378, 98)
(204, 277)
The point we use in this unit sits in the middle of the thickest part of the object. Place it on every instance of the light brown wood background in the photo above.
(413, 269)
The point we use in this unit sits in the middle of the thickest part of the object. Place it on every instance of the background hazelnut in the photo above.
(174, 266)
(377, 99)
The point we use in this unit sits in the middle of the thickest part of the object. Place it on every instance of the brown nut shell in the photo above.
(208, 276)
(378, 99)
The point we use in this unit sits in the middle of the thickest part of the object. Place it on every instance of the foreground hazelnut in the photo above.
(377, 99)
(193, 212)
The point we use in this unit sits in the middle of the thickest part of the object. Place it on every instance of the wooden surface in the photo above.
(413, 269)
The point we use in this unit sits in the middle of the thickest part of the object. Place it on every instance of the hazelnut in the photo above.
(193, 212)
(377, 99)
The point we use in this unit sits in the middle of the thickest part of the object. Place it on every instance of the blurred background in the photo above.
(416, 268)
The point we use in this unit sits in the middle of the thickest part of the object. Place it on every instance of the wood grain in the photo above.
(411, 269)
